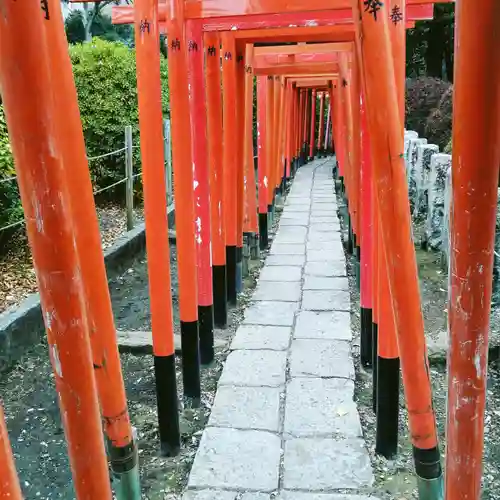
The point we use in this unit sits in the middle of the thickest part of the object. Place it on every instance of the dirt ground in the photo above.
(32, 412)
(395, 479)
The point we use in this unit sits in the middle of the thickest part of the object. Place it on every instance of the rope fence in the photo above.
(129, 178)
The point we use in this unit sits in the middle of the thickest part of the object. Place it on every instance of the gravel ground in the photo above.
(32, 413)
(17, 276)
(395, 479)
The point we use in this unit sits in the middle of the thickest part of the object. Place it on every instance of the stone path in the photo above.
(284, 424)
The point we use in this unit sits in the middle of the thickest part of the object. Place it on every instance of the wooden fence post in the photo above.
(129, 176)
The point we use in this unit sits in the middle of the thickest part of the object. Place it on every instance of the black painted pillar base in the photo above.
(220, 295)
(263, 232)
(190, 343)
(239, 269)
(357, 264)
(270, 215)
(231, 274)
(366, 347)
(311, 158)
(428, 467)
(374, 366)
(206, 326)
(387, 407)
(167, 404)
(350, 242)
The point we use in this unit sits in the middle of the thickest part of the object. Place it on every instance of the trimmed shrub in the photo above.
(438, 124)
(105, 77)
(423, 95)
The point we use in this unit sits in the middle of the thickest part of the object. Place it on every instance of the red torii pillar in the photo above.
(313, 125)
(321, 125)
(476, 160)
(201, 188)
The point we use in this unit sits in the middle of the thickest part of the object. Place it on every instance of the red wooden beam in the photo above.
(197, 9)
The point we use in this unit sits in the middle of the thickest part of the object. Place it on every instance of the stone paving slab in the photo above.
(321, 408)
(294, 221)
(288, 249)
(326, 247)
(255, 408)
(223, 495)
(322, 237)
(280, 291)
(320, 226)
(322, 283)
(281, 273)
(255, 337)
(323, 325)
(326, 464)
(298, 495)
(326, 269)
(325, 256)
(235, 459)
(326, 300)
(284, 260)
(271, 313)
(254, 368)
(321, 358)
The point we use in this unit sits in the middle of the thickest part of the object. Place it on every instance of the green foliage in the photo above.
(105, 77)
(10, 205)
(429, 46)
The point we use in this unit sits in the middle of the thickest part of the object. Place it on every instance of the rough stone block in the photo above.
(326, 269)
(287, 249)
(271, 313)
(326, 300)
(321, 408)
(235, 459)
(281, 273)
(281, 291)
(254, 369)
(326, 464)
(321, 358)
(284, 260)
(327, 325)
(246, 408)
(254, 337)
(322, 283)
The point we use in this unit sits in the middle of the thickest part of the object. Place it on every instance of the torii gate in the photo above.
(52, 100)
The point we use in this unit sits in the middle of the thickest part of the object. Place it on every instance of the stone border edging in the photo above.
(21, 326)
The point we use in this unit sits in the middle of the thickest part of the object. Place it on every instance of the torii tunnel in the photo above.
(345, 57)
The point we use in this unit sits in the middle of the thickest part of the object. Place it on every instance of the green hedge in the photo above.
(105, 79)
